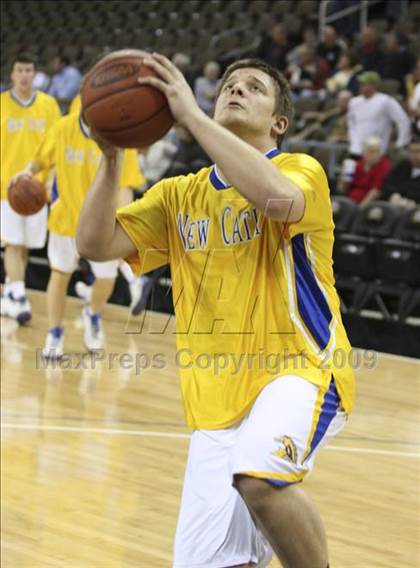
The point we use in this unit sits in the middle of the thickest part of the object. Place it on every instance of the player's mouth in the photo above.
(234, 104)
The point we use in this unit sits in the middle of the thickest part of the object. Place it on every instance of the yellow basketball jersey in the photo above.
(75, 105)
(22, 129)
(254, 298)
(75, 157)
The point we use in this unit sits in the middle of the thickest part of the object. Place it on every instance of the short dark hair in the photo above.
(23, 57)
(284, 103)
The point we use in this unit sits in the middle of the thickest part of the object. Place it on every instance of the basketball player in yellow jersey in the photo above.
(75, 157)
(26, 115)
(75, 105)
(249, 241)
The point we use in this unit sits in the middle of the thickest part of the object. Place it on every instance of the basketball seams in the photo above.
(142, 122)
(108, 95)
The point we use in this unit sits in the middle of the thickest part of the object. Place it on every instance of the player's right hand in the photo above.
(107, 149)
(14, 179)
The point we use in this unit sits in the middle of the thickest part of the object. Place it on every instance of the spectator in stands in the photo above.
(183, 62)
(373, 114)
(205, 87)
(413, 84)
(402, 185)
(275, 46)
(369, 173)
(330, 124)
(397, 61)
(309, 74)
(330, 48)
(346, 75)
(309, 40)
(65, 81)
(189, 157)
(155, 160)
(41, 81)
(369, 52)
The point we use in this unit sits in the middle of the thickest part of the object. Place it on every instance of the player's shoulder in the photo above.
(5, 98)
(298, 160)
(65, 123)
(190, 181)
(45, 99)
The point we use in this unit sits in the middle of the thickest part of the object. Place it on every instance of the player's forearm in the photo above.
(97, 218)
(248, 170)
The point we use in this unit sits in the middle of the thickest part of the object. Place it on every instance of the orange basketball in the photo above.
(27, 196)
(124, 112)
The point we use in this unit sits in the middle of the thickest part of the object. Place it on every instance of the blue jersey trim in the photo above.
(54, 190)
(312, 305)
(279, 483)
(329, 410)
(218, 183)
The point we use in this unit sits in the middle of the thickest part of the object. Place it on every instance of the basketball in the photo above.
(122, 111)
(27, 196)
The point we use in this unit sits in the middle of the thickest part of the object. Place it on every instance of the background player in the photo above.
(75, 156)
(26, 115)
(263, 220)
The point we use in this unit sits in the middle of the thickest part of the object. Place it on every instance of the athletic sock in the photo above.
(56, 331)
(127, 272)
(17, 289)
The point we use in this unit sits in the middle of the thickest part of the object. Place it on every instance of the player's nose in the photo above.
(237, 89)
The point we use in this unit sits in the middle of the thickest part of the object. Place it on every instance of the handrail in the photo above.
(325, 19)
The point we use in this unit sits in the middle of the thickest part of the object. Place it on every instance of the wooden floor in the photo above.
(93, 459)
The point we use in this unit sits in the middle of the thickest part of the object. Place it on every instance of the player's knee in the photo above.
(255, 492)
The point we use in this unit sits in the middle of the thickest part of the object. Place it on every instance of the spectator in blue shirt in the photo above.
(65, 81)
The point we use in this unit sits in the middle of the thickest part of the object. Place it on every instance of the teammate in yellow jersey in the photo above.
(26, 115)
(75, 157)
(263, 354)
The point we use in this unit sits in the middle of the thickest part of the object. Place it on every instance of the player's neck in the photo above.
(23, 94)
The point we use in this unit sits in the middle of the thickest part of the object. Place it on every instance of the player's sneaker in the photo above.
(93, 335)
(18, 309)
(54, 344)
(142, 289)
(84, 291)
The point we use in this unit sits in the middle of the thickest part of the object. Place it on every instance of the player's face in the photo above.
(247, 102)
(23, 75)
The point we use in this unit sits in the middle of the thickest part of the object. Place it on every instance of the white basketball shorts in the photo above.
(290, 421)
(63, 256)
(29, 231)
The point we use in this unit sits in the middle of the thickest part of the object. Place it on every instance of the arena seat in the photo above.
(344, 212)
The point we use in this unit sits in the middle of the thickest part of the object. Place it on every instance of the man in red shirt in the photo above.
(369, 173)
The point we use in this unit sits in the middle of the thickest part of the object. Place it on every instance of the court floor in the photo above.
(93, 453)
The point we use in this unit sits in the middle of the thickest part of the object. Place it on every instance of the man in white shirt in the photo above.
(373, 114)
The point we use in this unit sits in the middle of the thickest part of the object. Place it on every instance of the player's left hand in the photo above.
(173, 85)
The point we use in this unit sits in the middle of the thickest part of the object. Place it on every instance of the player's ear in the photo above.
(279, 124)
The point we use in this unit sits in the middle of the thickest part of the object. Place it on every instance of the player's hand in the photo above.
(173, 85)
(108, 150)
(14, 179)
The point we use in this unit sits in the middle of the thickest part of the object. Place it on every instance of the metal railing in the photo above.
(326, 19)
